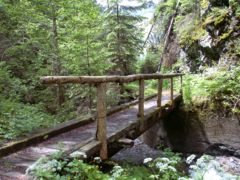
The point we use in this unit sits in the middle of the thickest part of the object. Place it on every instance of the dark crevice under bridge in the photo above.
(116, 127)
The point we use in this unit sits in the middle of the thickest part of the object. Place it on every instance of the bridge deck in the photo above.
(82, 138)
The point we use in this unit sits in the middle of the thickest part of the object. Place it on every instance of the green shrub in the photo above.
(18, 118)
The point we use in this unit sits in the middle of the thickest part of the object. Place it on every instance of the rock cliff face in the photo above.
(210, 38)
(191, 134)
(216, 37)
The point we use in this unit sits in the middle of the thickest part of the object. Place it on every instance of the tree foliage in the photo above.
(124, 36)
(58, 37)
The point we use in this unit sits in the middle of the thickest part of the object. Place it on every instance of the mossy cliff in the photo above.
(211, 36)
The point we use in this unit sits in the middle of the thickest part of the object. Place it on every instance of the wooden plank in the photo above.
(13, 161)
(122, 131)
(159, 93)
(141, 100)
(41, 135)
(91, 148)
(131, 134)
(102, 79)
(171, 82)
(125, 142)
(102, 119)
(151, 118)
(180, 78)
(159, 101)
(77, 147)
(12, 176)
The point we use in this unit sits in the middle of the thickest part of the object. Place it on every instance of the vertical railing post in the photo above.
(180, 78)
(159, 98)
(102, 119)
(171, 91)
(141, 101)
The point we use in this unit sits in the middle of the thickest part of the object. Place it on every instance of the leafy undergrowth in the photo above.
(148, 90)
(216, 89)
(168, 167)
(17, 119)
(57, 167)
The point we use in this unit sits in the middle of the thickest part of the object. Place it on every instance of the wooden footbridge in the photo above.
(102, 134)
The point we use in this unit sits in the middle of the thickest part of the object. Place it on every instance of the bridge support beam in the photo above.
(141, 101)
(102, 119)
(171, 91)
(159, 100)
(180, 84)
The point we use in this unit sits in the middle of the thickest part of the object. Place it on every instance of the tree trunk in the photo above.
(89, 74)
(167, 38)
(155, 19)
(57, 63)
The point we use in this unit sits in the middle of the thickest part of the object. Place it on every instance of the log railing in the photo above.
(101, 81)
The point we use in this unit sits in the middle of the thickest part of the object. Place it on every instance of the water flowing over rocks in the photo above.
(229, 164)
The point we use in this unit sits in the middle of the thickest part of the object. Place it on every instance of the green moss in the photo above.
(212, 106)
(216, 19)
(204, 4)
(220, 19)
(199, 101)
(194, 36)
(226, 35)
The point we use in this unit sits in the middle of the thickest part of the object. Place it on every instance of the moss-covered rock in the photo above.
(217, 19)
(219, 3)
(204, 4)
(212, 38)
(226, 35)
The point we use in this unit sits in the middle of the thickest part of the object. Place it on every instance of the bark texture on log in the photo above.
(171, 91)
(102, 79)
(159, 93)
(102, 119)
(141, 101)
(159, 101)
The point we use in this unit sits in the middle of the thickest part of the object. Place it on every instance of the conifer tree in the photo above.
(124, 36)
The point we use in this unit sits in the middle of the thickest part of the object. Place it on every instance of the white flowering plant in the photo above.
(167, 167)
(78, 154)
(47, 167)
(163, 168)
(57, 167)
(129, 172)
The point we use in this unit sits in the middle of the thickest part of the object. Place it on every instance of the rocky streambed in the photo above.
(140, 151)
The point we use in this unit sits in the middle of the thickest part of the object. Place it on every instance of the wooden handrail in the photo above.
(101, 96)
(101, 79)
